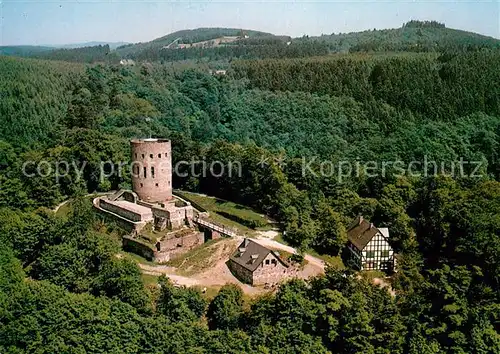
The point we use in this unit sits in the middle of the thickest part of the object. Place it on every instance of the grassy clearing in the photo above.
(291, 258)
(149, 280)
(279, 238)
(334, 261)
(234, 215)
(210, 292)
(65, 209)
(371, 274)
(196, 260)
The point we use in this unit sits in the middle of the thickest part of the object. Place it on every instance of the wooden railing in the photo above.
(214, 227)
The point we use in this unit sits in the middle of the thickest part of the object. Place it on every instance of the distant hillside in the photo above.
(112, 45)
(225, 44)
(23, 50)
(186, 36)
(99, 53)
(418, 36)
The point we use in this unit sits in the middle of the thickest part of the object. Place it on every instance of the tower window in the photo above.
(142, 185)
(169, 183)
(156, 184)
(142, 155)
(150, 156)
(135, 155)
(145, 172)
(159, 156)
(166, 154)
(152, 172)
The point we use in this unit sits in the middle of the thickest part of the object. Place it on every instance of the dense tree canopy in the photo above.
(294, 136)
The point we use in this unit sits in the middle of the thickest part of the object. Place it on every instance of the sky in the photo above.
(49, 22)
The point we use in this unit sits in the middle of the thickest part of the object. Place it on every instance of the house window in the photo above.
(142, 155)
(274, 262)
(144, 172)
(141, 185)
(166, 154)
(384, 253)
(369, 265)
(152, 172)
(159, 156)
(150, 156)
(370, 254)
(267, 261)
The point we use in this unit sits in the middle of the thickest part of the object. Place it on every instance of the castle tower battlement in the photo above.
(152, 169)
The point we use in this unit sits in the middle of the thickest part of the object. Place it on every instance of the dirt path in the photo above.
(215, 276)
(169, 272)
(265, 238)
(85, 196)
(216, 272)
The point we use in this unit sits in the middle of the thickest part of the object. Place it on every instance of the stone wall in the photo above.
(168, 249)
(161, 257)
(186, 199)
(122, 223)
(128, 214)
(188, 241)
(145, 204)
(129, 196)
(271, 273)
(136, 246)
(175, 217)
(240, 272)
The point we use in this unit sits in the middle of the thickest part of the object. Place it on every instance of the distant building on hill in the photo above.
(369, 247)
(127, 62)
(255, 264)
(217, 72)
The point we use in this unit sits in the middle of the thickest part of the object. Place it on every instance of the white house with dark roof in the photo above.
(369, 247)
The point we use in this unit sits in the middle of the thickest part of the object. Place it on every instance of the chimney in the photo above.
(371, 225)
(360, 219)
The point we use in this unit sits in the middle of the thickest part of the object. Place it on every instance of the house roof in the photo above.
(362, 231)
(250, 255)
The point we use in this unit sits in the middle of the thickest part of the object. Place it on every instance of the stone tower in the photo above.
(152, 169)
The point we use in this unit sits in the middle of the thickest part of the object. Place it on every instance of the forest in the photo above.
(412, 37)
(63, 290)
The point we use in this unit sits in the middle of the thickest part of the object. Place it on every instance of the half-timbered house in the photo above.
(369, 247)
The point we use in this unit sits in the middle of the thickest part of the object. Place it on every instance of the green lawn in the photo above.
(148, 279)
(230, 214)
(334, 261)
(64, 210)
